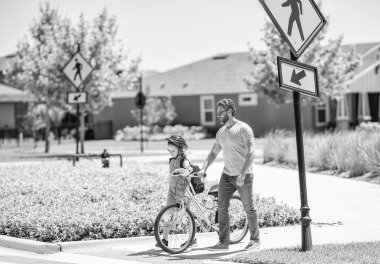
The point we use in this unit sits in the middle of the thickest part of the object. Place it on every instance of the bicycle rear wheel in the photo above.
(174, 228)
(238, 220)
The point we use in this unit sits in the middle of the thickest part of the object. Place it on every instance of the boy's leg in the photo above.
(170, 199)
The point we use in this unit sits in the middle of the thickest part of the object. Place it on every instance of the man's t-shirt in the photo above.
(234, 142)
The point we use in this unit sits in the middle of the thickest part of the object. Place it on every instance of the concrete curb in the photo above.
(29, 245)
(96, 243)
(217, 262)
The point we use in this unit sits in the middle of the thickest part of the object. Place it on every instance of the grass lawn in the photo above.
(352, 253)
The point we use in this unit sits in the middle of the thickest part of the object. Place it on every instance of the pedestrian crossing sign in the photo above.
(77, 70)
(298, 21)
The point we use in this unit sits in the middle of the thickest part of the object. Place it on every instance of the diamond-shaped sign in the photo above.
(77, 70)
(298, 21)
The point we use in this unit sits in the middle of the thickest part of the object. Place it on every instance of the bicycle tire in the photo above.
(178, 239)
(239, 225)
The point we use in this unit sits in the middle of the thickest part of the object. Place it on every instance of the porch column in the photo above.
(364, 114)
(342, 118)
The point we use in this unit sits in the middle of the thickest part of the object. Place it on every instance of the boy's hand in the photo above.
(176, 172)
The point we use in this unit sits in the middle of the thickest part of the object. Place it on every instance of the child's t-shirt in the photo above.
(177, 184)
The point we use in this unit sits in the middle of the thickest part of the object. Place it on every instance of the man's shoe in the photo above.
(253, 245)
(164, 241)
(193, 243)
(219, 247)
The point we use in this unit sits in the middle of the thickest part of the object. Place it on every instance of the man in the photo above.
(236, 139)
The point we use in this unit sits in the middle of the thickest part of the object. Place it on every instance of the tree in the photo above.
(157, 111)
(335, 66)
(53, 42)
(37, 68)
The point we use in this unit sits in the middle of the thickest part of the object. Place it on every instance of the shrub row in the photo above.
(353, 152)
(160, 133)
(55, 202)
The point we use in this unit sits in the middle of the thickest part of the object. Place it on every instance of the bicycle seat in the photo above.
(214, 190)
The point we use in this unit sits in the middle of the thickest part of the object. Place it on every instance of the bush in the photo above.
(55, 202)
(352, 152)
(160, 133)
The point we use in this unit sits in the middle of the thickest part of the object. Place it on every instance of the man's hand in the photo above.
(240, 180)
(201, 173)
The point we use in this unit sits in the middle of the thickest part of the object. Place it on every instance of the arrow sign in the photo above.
(298, 21)
(298, 77)
(77, 98)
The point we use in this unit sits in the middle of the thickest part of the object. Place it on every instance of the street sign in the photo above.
(77, 98)
(77, 70)
(298, 77)
(298, 21)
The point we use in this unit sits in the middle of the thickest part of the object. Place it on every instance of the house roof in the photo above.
(12, 95)
(219, 74)
(361, 48)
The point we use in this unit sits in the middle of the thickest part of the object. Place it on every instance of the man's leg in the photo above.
(226, 190)
(290, 25)
(300, 28)
(246, 195)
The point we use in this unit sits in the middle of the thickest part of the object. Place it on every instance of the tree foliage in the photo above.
(157, 111)
(335, 67)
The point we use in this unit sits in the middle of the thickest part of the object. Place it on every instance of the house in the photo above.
(196, 87)
(13, 108)
(362, 101)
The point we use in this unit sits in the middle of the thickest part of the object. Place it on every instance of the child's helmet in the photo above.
(177, 141)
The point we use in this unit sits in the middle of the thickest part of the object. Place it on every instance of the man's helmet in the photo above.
(177, 141)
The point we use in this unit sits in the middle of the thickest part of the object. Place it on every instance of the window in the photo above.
(322, 114)
(247, 99)
(207, 110)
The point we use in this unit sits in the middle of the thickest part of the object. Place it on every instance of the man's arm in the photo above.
(249, 142)
(211, 156)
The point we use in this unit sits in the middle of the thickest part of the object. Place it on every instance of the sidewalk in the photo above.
(342, 211)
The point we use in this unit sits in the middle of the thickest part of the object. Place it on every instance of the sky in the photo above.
(171, 33)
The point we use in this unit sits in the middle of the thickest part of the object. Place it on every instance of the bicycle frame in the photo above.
(202, 211)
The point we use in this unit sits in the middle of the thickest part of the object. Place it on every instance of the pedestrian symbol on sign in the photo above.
(78, 67)
(294, 16)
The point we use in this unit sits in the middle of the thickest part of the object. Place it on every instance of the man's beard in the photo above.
(224, 120)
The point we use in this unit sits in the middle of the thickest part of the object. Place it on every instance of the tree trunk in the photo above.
(47, 130)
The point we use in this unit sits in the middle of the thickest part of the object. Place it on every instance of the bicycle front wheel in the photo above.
(238, 220)
(174, 228)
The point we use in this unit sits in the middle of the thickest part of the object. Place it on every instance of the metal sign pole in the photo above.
(305, 218)
(141, 117)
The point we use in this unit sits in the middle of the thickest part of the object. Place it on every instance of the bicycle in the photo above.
(180, 222)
